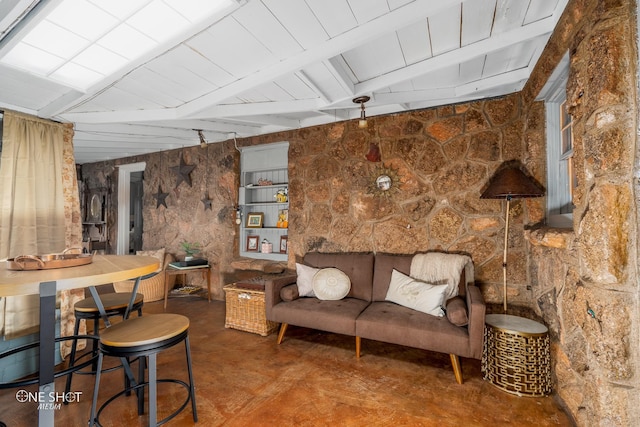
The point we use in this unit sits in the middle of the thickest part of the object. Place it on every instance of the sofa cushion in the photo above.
(289, 293)
(412, 293)
(384, 265)
(331, 284)
(305, 279)
(456, 310)
(332, 316)
(393, 323)
(359, 268)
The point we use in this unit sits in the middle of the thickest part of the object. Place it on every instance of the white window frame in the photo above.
(560, 181)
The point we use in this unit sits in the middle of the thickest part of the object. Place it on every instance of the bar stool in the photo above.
(115, 304)
(145, 336)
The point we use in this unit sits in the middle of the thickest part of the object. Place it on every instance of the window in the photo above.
(561, 178)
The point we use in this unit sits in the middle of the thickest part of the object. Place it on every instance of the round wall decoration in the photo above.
(385, 181)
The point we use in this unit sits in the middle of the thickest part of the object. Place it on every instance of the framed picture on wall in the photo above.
(252, 243)
(255, 219)
(284, 241)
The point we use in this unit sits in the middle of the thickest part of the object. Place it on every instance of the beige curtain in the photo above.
(39, 207)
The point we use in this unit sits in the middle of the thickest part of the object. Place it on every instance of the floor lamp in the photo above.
(510, 182)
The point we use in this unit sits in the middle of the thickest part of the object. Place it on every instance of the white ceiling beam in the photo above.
(337, 70)
(208, 126)
(314, 87)
(7, 106)
(156, 130)
(457, 56)
(481, 85)
(35, 14)
(258, 108)
(398, 18)
(126, 116)
(267, 120)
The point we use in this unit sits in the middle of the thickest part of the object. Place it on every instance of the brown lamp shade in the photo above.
(511, 182)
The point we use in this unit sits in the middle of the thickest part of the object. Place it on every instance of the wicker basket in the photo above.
(246, 311)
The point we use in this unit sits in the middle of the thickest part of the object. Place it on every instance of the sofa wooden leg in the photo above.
(455, 362)
(358, 343)
(283, 329)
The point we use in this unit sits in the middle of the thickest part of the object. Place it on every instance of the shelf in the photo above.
(275, 256)
(267, 204)
(265, 228)
(260, 187)
(268, 162)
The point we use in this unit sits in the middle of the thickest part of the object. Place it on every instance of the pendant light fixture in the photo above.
(362, 123)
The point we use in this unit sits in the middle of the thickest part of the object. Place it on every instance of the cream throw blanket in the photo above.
(440, 268)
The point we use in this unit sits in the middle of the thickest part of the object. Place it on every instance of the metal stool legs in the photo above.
(144, 338)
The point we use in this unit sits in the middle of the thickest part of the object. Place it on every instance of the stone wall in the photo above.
(441, 159)
(186, 216)
(585, 280)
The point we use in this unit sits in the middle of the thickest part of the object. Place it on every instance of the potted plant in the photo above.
(190, 249)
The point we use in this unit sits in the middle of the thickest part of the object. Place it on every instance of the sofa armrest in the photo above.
(477, 309)
(272, 289)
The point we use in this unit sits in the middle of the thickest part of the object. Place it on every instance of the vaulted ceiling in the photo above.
(148, 73)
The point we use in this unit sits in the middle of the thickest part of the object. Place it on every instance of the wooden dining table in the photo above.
(103, 269)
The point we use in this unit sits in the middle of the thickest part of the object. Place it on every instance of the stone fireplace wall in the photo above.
(440, 160)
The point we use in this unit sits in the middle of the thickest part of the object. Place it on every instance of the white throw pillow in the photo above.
(412, 293)
(305, 279)
(331, 284)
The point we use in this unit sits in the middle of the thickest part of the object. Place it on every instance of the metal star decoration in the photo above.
(207, 202)
(183, 171)
(160, 197)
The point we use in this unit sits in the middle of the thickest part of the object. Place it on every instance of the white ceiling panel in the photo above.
(477, 20)
(299, 21)
(260, 22)
(239, 55)
(415, 42)
(367, 10)
(140, 75)
(335, 16)
(444, 30)
(375, 58)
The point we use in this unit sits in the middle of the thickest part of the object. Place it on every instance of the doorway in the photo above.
(135, 212)
(125, 173)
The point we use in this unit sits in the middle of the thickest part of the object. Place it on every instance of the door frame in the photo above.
(124, 204)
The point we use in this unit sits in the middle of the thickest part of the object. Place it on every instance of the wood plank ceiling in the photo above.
(261, 66)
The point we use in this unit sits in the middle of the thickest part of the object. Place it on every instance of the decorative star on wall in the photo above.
(161, 198)
(183, 171)
(207, 202)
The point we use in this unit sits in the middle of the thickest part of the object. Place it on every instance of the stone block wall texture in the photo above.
(594, 266)
(440, 160)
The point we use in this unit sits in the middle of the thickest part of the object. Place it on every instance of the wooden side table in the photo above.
(516, 355)
(174, 271)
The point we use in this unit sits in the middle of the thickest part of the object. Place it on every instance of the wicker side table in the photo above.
(246, 311)
(516, 355)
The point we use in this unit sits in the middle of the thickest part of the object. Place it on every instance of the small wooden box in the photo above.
(246, 311)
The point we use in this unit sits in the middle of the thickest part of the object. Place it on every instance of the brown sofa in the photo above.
(364, 313)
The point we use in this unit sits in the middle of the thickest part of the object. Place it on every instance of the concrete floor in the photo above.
(311, 379)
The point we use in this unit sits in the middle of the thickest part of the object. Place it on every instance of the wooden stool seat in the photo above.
(115, 304)
(145, 330)
(112, 302)
(143, 338)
